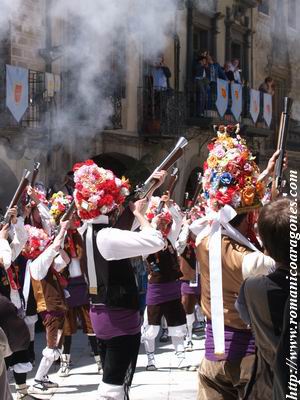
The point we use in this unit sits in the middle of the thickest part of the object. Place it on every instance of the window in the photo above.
(292, 13)
(200, 42)
(264, 7)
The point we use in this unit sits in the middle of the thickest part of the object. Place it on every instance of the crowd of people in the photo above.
(206, 72)
(72, 256)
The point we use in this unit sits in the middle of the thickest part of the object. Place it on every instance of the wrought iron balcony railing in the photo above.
(161, 112)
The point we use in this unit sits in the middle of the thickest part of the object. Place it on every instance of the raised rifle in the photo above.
(126, 219)
(17, 195)
(277, 185)
(197, 190)
(34, 175)
(170, 189)
(68, 214)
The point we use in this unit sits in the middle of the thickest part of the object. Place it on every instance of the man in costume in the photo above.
(50, 299)
(76, 291)
(163, 291)
(266, 302)
(115, 315)
(190, 286)
(19, 360)
(228, 252)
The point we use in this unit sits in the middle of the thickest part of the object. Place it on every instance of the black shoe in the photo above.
(164, 338)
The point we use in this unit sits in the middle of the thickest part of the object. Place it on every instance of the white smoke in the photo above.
(97, 32)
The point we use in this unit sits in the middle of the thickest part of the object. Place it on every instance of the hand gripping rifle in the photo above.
(277, 185)
(170, 189)
(17, 195)
(126, 219)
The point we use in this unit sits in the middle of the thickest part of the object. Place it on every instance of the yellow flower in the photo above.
(248, 196)
(212, 161)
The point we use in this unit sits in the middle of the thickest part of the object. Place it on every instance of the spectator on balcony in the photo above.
(201, 84)
(268, 86)
(237, 71)
(215, 70)
(228, 71)
(161, 75)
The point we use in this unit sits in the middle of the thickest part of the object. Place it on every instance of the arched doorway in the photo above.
(122, 165)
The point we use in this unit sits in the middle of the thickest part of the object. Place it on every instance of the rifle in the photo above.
(17, 195)
(67, 215)
(34, 175)
(277, 184)
(197, 190)
(126, 218)
(170, 190)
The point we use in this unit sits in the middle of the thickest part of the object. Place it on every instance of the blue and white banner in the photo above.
(268, 108)
(254, 104)
(222, 96)
(236, 98)
(16, 91)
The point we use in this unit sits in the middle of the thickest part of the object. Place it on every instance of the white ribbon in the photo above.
(88, 226)
(26, 286)
(211, 226)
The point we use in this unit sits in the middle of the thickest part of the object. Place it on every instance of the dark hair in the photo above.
(268, 79)
(238, 219)
(202, 58)
(274, 229)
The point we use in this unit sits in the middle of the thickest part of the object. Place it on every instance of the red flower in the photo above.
(78, 165)
(226, 198)
(210, 146)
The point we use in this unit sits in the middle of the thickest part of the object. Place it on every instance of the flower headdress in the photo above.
(40, 194)
(97, 190)
(59, 204)
(230, 173)
(163, 220)
(37, 242)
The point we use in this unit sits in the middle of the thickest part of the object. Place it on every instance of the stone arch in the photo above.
(8, 185)
(123, 165)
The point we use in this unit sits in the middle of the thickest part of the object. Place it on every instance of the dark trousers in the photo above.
(119, 357)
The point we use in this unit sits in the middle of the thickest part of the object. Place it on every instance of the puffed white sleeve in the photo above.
(257, 263)
(45, 217)
(61, 261)
(181, 242)
(176, 226)
(116, 244)
(5, 253)
(40, 266)
(20, 237)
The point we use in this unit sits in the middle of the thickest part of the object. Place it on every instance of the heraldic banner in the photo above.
(222, 96)
(16, 91)
(254, 104)
(268, 108)
(236, 97)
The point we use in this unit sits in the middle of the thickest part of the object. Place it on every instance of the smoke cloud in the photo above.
(95, 51)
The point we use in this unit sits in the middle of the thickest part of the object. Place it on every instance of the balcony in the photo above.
(161, 113)
(202, 111)
(171, 113)
(39, 102)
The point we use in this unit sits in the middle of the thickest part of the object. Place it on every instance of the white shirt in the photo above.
(116, 244)
(19, 237)
(40, 266)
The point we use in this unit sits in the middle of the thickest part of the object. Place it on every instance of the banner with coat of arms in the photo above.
(254, 104)
(16, 91)
(236, 99)
(268, 108)
(222, 96)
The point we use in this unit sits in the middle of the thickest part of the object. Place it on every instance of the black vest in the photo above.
(163, 266)
(116, 283)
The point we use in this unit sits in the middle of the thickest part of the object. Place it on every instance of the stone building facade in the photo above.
(138, 134)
